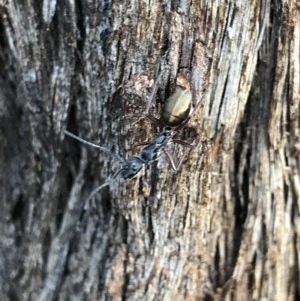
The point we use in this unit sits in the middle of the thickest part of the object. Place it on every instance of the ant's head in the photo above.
(132, 167)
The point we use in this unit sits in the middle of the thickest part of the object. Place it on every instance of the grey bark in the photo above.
(225, 227)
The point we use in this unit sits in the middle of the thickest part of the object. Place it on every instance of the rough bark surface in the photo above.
(225, 227)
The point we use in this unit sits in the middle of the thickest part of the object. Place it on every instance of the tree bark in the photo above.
(225, 226)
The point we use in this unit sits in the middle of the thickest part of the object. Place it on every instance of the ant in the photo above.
(176, 113)
(133, 164)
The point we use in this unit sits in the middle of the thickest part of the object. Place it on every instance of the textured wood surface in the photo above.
(224, 227)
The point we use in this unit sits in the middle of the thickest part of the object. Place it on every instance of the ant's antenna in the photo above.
(104, 149)
(96, 190)
(107, 151)
(107, 183)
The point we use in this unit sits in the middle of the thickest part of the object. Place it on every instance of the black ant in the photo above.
(176, 113)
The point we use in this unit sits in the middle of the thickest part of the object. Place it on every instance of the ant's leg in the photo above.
(153, 93)
(181, 161)
(153, 119)
(184, 143)
(139, 144)
(176, 166)
(150, 101)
